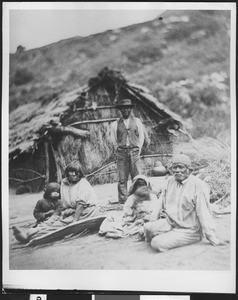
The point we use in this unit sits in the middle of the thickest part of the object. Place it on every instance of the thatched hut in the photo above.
(45, 135)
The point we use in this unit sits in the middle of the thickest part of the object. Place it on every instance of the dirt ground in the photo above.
(92, 252)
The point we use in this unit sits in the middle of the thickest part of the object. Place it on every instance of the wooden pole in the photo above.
(28, 170)
(100, 169)
(70, 130)
(98, 107)
(27, 180)
(114, 162)
(93, 121)
(47, 161)
(156, 155)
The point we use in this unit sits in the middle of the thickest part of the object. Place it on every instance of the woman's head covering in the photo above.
(133, 186)
(76, 167)
(140, 176)
(51, 187)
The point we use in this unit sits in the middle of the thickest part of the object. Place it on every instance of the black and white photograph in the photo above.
(119, 146)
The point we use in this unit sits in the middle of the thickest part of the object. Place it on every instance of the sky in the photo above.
(40, 27)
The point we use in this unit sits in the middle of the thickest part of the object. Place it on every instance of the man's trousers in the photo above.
(171, 237)
(128, 163)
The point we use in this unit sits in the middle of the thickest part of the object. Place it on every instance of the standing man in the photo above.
(183, 215)
(128, 139)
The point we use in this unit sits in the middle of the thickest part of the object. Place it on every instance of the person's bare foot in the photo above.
(19, 234)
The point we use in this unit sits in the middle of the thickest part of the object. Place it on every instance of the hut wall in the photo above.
(21, 168)
(30, 169)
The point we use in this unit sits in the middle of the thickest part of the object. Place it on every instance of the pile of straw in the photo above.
(218, 177)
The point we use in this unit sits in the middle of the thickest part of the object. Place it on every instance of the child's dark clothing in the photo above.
(42, 207)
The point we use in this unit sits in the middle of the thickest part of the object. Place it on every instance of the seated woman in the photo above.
(136, 210)
(45, 207)
(78, 201)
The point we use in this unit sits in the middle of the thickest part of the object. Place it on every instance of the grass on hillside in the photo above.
(146, 53)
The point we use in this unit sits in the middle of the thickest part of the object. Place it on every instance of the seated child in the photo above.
(140, 201)
(45, 207)
(136, 210)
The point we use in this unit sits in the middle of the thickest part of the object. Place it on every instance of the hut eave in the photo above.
(162, 109)
(140, 88)
(26, 146)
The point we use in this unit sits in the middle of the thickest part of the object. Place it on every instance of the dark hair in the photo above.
(51, 187)
(142, 194)
(136, 185)
(76, 167)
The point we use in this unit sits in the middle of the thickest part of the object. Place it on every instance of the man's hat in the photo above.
(124, 103)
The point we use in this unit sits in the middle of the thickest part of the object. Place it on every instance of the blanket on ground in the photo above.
(77, 228)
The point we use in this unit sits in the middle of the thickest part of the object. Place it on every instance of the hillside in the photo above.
(183, 44)
(181, 55)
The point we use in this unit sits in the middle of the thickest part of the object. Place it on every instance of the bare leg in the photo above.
(22, 235)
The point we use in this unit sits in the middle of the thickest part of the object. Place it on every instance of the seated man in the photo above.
(78, 201)
(184, 212)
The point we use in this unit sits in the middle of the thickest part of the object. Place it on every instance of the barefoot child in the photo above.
(44, 210)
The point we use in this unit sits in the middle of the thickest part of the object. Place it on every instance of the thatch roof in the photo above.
(30, 123)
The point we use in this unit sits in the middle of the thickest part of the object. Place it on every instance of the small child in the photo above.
(136, 211)
(140, 202)
(45, 207)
